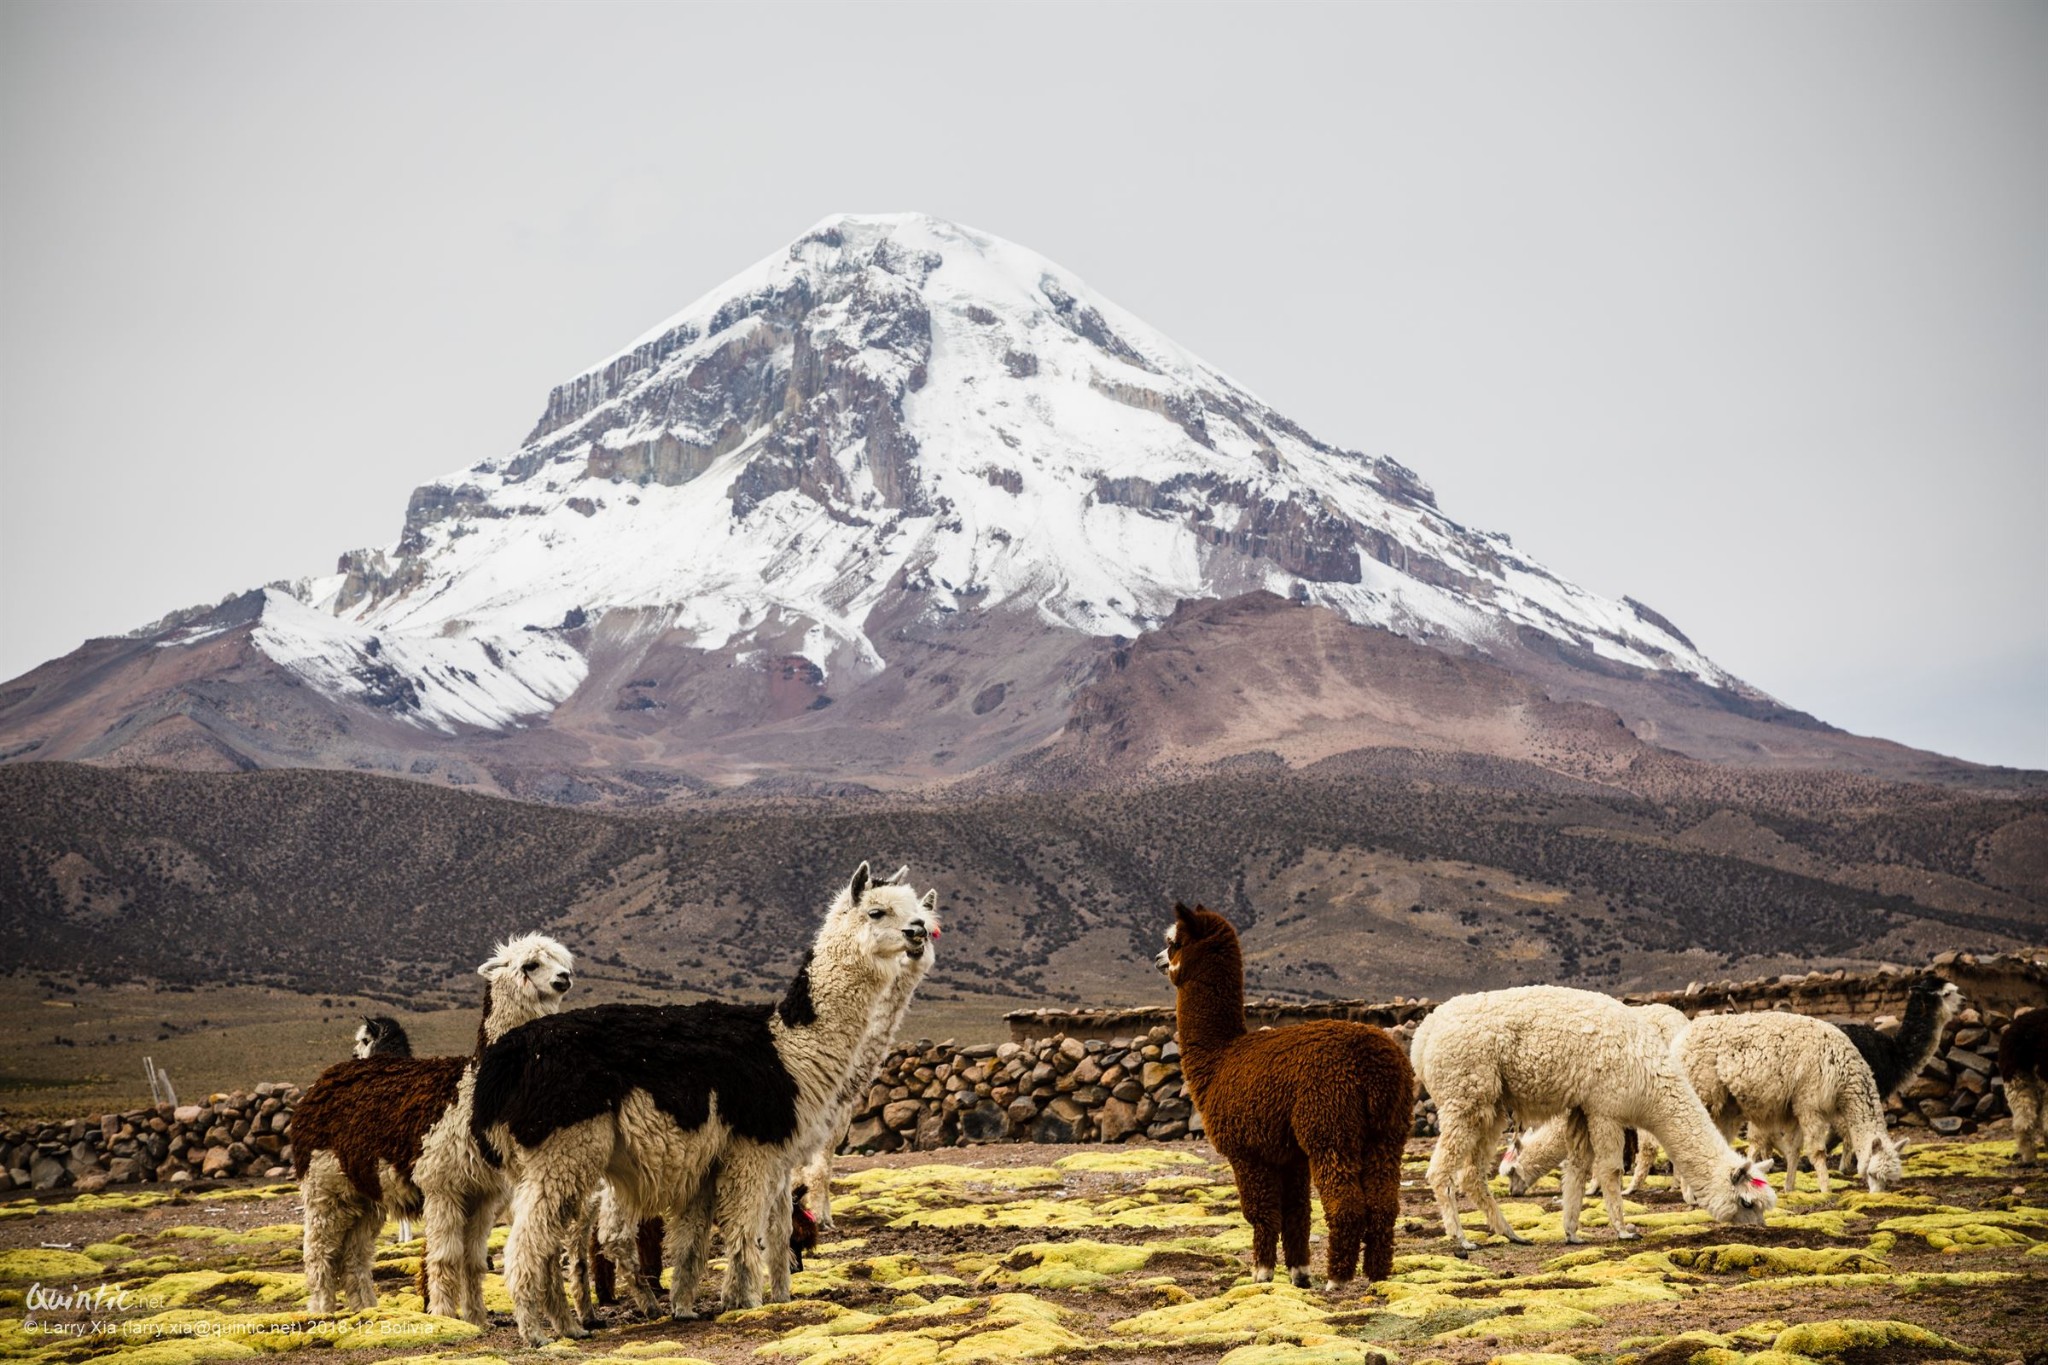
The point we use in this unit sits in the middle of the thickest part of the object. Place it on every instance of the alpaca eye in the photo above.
(529, 966)
(874, 914)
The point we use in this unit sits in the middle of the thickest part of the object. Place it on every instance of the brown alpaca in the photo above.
(1330, 1102)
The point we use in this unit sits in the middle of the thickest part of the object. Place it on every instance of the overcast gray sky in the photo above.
(1739, 309)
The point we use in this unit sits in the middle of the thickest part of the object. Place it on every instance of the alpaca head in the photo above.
(1511, 1167)
(1739, 1194)
(886, 922)
(1198, 941)
(1945, 996)
(381, 1036)
(1880, 1163)
(529, 976)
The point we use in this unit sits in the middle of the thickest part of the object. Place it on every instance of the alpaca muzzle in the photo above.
(917, 936)
(561, 984)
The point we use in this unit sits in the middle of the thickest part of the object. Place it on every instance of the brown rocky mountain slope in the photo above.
(1371, 873)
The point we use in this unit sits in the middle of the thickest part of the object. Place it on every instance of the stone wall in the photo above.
(246, 1133)
(1113, 1076)
(2006, 982)
(1067, 1088)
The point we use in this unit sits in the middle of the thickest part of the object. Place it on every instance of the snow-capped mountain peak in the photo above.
(897, 415)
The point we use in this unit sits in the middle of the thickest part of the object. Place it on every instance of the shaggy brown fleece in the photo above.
(1329, 1102)
(372, 1110)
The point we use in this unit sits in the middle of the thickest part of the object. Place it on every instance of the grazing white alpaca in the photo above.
(1795, 1079)
(394, 1131)
(1534, 1053)
(660, 1099)
(1533, 1154)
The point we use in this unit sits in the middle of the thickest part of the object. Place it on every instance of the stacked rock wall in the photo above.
(242, 1134)
(1108, 1076)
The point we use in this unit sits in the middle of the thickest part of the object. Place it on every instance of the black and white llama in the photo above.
(1896, 1058)
(381, 1036)
(680, 1105)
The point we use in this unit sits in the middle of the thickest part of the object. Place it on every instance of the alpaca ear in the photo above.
(1185, 917)
(930, 902)
(858, 887)
(896, 877)
(1899, 1147)
(492, 966)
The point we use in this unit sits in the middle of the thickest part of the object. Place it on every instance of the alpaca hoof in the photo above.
(1262, 1274)
(1463, 1250)
(1298, 1277)
(1573, 1239)
(1626, 1233)
(1518, 1239)
(681, 1314)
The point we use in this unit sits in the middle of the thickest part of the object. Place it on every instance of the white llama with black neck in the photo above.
(660, 1099)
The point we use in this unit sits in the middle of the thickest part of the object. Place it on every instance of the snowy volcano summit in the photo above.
(898, 503)
(898, 407)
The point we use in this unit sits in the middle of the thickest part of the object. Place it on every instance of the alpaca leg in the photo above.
(1341, 1181)
(1258, 1194)
(327, 1222)
(476, 1257)
(1462, 1142)
(688, 1248)
(1474, 1178)
(555, 1179)
(749, 1195)
(778, 1241)
(533, 1268)
(618, 1241)
(1646, 1158)
(1295, 1215)
(359, 1255)
(444, 1222)
(1811, 1135)
(2023, 1095)
(1574, 1198)
(580, 1251)
(1606, 1141)
(1381, 1191)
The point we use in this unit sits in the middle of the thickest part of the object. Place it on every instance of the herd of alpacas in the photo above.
(600, 1128)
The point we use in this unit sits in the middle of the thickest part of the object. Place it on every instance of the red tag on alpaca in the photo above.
(1757, 1182)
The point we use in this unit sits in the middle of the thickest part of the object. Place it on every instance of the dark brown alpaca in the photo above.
(1330, 1102)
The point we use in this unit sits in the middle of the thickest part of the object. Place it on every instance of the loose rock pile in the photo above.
(245, 1133)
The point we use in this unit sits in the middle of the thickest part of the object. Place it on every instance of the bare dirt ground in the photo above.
(1133, 1253)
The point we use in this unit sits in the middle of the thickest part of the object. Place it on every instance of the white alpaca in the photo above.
(816, 1173)
(1795, 1079)
(1533, 1154)
(394, 1131)
(1534, 1053)
(688, 1108)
